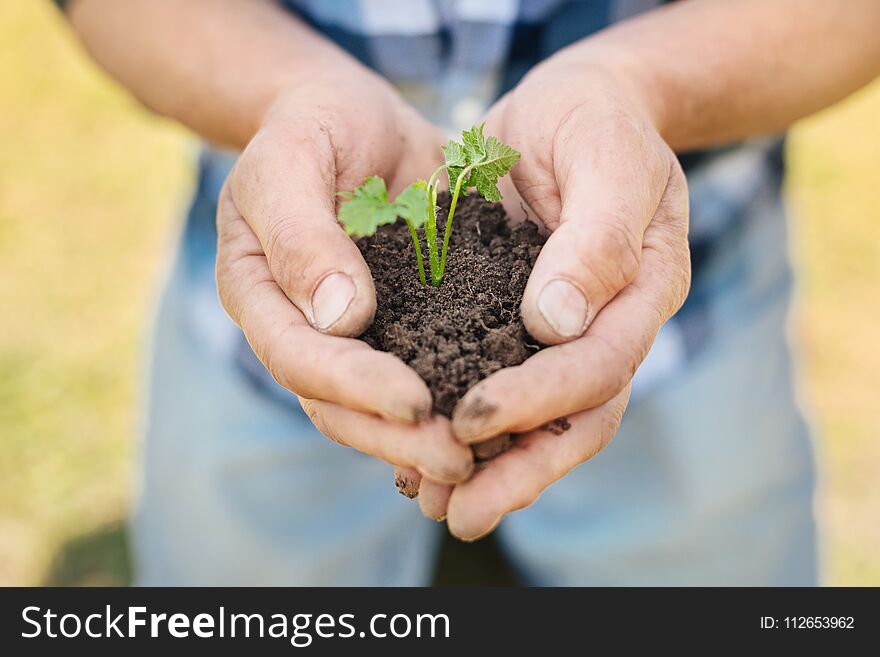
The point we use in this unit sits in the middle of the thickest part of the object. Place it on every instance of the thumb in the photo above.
(284, 185)
(610, 187)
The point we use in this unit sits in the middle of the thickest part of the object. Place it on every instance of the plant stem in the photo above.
(461, 177)
(433, 179)
(431, 240)
(431, 228)
(415, 239)
(464, 174)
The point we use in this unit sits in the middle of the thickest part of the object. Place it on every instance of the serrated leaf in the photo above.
(413, 203)
(488, 158)
(367, 208)
(455, 161)
(473, 143)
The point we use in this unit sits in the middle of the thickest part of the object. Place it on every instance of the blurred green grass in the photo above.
(90, 189)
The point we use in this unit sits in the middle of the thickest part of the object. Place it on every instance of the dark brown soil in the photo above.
(558, 427)
(458, 333)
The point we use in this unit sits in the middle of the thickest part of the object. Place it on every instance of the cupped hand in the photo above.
(597, 175)
(297, 285)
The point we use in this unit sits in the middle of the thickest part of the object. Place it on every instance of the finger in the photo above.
(515, 206)
(407, 481)
(428, 447)
(489, 449)
(515, 479)
(434, 498)
(611, 179)
(304, 361)
(566, 378)
(284, 186)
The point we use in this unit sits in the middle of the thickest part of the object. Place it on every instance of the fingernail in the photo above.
(483, 533)
(452, 473)
(564, 307)
(440, 518)
(489, 449)
(331, 299)
(473, 417)
(405, 485)
(421, 411)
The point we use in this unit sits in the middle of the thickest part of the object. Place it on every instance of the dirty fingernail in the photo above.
(564, 307)
(331, 299)
(489, 449)
(473, 417)
(406, 483)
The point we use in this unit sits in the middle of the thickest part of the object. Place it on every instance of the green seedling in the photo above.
(476, 162)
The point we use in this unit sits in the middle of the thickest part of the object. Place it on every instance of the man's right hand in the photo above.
(297, 285)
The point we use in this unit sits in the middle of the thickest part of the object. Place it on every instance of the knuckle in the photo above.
(623, 132)
(228, 301)
(634, 359)
(226, 278)
(240, 279)
(268, 355)
(610, 425)
(624, 127)
(247, 174)
(271, 353)
(677, 182)
(308, 405)
(682, 277)
(662, 308)
(612, 255)
(610, 131)
(541, 194)
(288, 260)
(320, 421)
(282, 237)
(629, 364)
(674, 210)
(620, 363)
(615, 417)
(675, 271)
(618, 241)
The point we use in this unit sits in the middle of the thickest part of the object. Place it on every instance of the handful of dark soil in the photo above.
(458, 333)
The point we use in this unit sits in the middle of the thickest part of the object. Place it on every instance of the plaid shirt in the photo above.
(451, 59)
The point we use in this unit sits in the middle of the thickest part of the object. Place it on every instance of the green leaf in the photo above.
(455, 161)
(488, 159)
(413, 204)
(474, 143)
(367, 208)
(495, 161)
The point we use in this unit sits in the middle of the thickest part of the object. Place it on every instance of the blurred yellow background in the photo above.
(91, 188)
